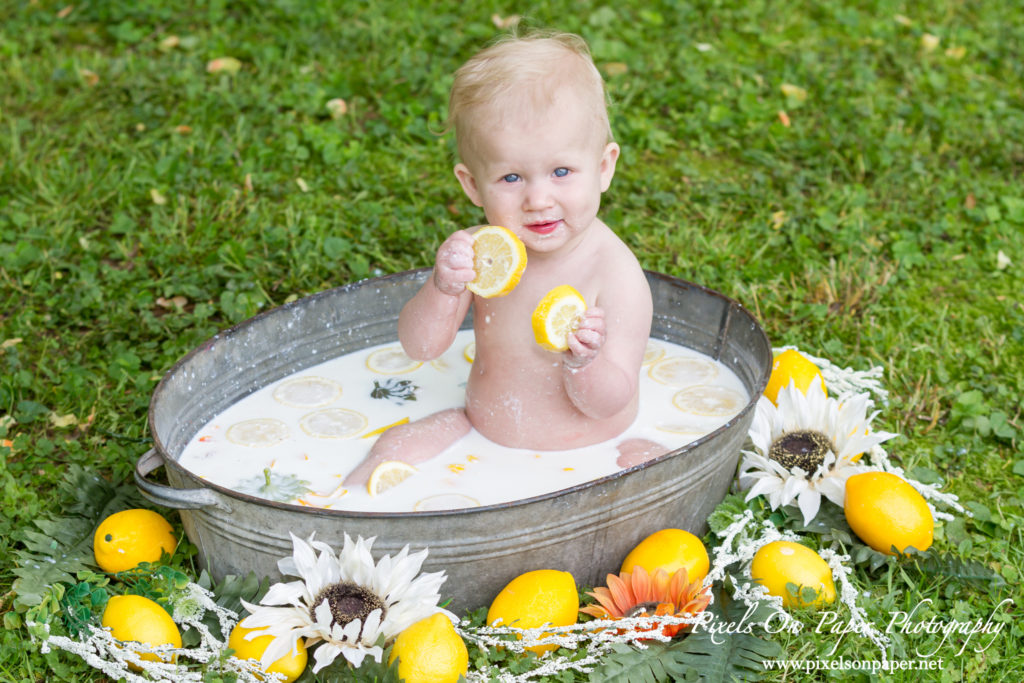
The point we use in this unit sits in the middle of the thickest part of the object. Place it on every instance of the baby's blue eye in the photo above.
(561, 172)
(511, 178)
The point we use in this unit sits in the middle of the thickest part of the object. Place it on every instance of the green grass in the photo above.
(868, 231)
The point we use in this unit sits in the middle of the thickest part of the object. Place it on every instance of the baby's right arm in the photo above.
(429, 321)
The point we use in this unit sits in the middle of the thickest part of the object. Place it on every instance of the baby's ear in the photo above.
(468, 183)
(608, 159)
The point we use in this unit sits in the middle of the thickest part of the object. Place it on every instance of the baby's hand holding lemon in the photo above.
(453, 267)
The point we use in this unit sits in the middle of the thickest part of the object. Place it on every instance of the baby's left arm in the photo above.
(601, 368)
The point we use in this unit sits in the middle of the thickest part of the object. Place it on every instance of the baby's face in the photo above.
(540, 173)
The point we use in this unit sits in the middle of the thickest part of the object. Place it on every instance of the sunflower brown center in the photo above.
(642, 609)
(348, 602)
(804, 448)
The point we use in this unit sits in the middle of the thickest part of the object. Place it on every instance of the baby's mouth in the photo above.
(543, 227)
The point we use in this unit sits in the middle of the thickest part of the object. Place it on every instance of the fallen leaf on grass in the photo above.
(970, 202)
(157, 197)
(302, 184)
(505, 22)
(91, 78)
(248, 182)
(65, 11)
(929, 42)
(228, 65)
(183, 130)
(778, 219)
(177, 302)
(900, 19)
(63, 421)
(793, 92)
(957, 52)
(615, 68)
(1003, 261)
(784, 118)
(169, 43)
(8, 343)
(704, 47)
(337, 107)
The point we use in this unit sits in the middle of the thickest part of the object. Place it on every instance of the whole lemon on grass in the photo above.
(542, 596)
(885, 511)
(430, 651)
(290, 665)
(139, 619)
(671, 550)
(782, 562)
(126, 538)
(792, 366)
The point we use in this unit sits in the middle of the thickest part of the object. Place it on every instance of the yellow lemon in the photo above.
(783, 562)
(380, 430)
(543, 596)
(499, 259)
(886, 511)
(126, 538)
(556, 316)
(290, 665)
(138, 619)
(387, 474)
(671, 550)
(792, 366)
(430, 651)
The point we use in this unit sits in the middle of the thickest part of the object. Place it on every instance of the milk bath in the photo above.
(294, 440)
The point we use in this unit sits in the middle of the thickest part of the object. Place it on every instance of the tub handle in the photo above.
(167, 496)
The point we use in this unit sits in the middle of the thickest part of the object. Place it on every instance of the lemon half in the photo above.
(499, 259)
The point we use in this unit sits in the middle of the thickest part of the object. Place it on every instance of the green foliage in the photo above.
(62, 546)
(705, 654)
(274, 486)
(395, 390)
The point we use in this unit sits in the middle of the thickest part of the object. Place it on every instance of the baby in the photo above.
(532, 132)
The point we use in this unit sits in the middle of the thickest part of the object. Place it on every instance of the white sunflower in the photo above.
(346, 601)
(807, 447)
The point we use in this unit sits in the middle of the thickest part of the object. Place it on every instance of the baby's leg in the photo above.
(635, 451)
(414, 442)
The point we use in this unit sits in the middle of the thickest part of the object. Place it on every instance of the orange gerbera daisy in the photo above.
(637, 593)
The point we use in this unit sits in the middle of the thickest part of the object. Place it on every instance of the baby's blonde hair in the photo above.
(535, 67)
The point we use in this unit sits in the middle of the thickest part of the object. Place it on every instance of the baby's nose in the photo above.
(538, 196)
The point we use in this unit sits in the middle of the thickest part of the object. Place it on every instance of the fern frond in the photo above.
(62, 546)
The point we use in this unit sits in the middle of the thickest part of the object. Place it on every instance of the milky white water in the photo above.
(294, 440)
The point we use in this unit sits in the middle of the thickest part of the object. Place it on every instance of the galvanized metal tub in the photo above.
(586, 529)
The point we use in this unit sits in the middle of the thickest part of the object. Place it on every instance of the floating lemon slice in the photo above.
(499, 259)
(469, 353)
(391, 361)
(258, 433)
(307, 392)
(381, 430)
(388, 474)
(677, 371)
(333, 423)
(654, 352)
(556, 316)
(708, 400)
(445, 501)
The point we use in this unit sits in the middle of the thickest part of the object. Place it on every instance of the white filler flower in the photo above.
(346, 601)
(807, 447)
